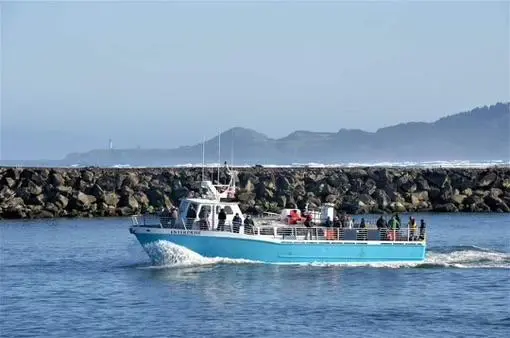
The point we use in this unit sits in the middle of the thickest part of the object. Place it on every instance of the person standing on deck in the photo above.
(350, 222)
(381, 223)
(191, 216)
(248, 225)
(308, 224)
(236, 222)
(343, 219)
(412, 228)
(393, 223)
(164, 217)
(397, 218)
(422, 229)
(173, 216)
(222, 217)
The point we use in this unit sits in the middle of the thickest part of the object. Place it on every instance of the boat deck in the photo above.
(281, 231)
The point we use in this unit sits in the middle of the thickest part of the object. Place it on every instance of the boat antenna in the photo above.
(219, 156)
(203, 157)
(232, 149)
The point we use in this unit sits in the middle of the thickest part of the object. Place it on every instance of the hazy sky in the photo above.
(168, 74)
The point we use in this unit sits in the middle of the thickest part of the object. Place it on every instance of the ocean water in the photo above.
(405, 164)
(91, 278)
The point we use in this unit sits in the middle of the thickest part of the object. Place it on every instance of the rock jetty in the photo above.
(89, 192)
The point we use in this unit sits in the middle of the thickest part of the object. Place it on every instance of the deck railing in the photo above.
(291, 232)
(341, 234)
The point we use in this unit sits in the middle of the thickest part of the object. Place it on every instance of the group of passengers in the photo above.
(345, 221)
(169, 216)
(237, 221)
(394, 224)
(342, 221)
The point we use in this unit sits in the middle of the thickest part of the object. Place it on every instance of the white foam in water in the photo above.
(166, 254)
(463, 259)
(423, 164)
(470, 259)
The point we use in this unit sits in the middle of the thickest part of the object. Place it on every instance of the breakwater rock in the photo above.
(87, 192)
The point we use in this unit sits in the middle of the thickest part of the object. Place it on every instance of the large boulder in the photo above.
(81, 201)
(382, 198)
(418, 197)
(496, 204)
(487, 179)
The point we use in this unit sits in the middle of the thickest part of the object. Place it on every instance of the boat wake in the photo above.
(467, 257)
(165, 255)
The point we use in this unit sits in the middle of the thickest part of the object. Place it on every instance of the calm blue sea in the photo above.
(91, 278)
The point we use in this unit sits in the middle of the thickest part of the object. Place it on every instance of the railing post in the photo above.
(408, 234)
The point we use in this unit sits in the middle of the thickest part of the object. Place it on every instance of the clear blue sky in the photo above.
(167, 74)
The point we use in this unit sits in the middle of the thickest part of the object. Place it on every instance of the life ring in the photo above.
(331, 235)
(392, 234)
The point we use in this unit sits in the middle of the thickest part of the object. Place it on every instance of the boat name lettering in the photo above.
(186, 232)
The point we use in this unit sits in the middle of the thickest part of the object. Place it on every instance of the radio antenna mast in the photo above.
(219, 156)
(203, 157)
(232, 149)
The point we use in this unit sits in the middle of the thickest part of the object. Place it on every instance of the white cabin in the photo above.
(192, 210)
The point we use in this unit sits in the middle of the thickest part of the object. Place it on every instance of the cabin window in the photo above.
(228, 209)
(192, 211)
(204, 210)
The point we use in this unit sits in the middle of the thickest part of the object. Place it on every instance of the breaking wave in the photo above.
(165, 254)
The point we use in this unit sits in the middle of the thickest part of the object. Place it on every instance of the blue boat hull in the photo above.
(292, 251)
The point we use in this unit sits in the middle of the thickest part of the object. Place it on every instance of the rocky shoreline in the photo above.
(90, 192)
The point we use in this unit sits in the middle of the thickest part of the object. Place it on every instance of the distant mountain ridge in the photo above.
(480, 134)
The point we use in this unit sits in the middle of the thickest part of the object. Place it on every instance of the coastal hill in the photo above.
(479, 134)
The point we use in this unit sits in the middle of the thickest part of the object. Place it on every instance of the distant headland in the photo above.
(482, 134)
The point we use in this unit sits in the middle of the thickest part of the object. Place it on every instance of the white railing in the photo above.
(341, 234)
(289, 232)
(151, 221)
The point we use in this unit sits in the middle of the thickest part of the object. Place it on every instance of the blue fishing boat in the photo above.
(212, 225)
